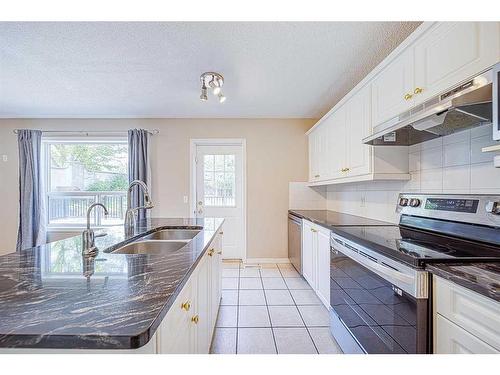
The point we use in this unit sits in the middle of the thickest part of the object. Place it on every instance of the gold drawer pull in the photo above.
(219, 252)
(408, 96)
(211, 252)
(186, 305)
(316, 176)
(418, 90)
(221, 232)
(195, 319)
(313, 230)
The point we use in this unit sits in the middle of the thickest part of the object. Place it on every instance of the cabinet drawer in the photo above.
(476, 314)
(451, 339)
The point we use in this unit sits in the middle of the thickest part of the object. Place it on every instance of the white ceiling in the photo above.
(284, 70)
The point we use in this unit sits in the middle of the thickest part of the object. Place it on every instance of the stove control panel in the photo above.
(467, 208)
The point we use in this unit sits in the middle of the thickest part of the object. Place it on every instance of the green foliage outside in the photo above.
(117, 183)
(94, 158)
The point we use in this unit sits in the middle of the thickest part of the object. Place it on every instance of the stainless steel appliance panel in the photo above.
(369, 314)
(295, 241)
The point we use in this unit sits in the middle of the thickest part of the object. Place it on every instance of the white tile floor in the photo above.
(269, 309)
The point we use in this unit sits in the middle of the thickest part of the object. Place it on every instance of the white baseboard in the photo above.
(267, 260)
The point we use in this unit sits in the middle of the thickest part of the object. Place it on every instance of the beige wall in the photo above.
(276, 155)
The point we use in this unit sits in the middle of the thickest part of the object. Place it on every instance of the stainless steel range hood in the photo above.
(463, 107)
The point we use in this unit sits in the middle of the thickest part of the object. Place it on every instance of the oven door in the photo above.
(371, 315)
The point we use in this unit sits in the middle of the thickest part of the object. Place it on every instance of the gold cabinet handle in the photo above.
(195, 319)
(344, 170)
(313, 230)
(408, 96)
(211, 252)
(186, 305)
(219, 252)
(347, 169)
(418, 90)
(316, 176)
(221, 233)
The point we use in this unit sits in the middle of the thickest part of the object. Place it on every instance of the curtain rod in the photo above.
(152, 132)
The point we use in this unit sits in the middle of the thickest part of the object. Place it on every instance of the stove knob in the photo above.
(493, 208)
(403, 202)
(414, 202)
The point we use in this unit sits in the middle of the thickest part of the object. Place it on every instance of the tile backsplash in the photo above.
(303, 197)
(453, 164)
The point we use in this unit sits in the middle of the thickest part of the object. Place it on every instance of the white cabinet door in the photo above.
(216, 280)
(390, 86)
(451, 52)
(202, 316)
(314, 172)
(308, 249)
(175, 334)
(323, 266)
(451, 339)
(358, 127)
(337, 143)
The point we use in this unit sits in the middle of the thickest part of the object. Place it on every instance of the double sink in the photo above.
(164, 240)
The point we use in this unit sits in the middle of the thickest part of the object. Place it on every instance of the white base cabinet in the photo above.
(316, 259)
(189, 325)
(464, 321)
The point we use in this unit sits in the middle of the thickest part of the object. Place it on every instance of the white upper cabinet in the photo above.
(392, 88)
(451, 52)
(336, 137)
(358, 126)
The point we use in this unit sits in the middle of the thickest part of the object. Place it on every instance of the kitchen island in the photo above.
(52, 297)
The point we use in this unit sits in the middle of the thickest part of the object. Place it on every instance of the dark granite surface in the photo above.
(483, 278)
(47, 302)
(329, 219)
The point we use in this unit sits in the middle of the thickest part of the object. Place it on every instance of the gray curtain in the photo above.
(31, 230)
(138, 165)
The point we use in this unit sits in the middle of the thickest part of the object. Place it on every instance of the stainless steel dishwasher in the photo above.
(295, 241)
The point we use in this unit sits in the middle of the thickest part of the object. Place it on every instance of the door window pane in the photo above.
(219, 180)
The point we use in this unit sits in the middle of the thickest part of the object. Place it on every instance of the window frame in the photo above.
(48, 140)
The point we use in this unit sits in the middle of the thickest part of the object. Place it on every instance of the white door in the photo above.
(219, 192)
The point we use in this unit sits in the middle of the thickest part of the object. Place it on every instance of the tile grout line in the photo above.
(237, 310)
(268, 313)
(301, 317)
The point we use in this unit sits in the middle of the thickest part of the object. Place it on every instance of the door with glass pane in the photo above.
(219, 193)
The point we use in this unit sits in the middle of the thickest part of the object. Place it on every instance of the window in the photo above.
(219, 180)
(80, 173)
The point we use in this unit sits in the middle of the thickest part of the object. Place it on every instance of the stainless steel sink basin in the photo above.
(151, 247)
(172, 234)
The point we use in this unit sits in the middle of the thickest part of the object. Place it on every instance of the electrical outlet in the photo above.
(4, 158)
(185, 199)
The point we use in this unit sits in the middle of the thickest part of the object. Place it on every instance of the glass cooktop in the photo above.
(419, 247)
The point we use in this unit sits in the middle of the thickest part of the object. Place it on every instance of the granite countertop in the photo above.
(332, 219)
(47, 302)
(483, 278)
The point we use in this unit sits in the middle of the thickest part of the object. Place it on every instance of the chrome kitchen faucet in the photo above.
(131, 213)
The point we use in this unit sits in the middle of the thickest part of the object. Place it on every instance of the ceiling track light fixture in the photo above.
(214, 81)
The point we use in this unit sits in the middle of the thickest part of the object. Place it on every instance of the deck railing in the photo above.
(69, 208)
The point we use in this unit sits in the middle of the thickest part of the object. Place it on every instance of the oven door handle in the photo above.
(376, 267)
